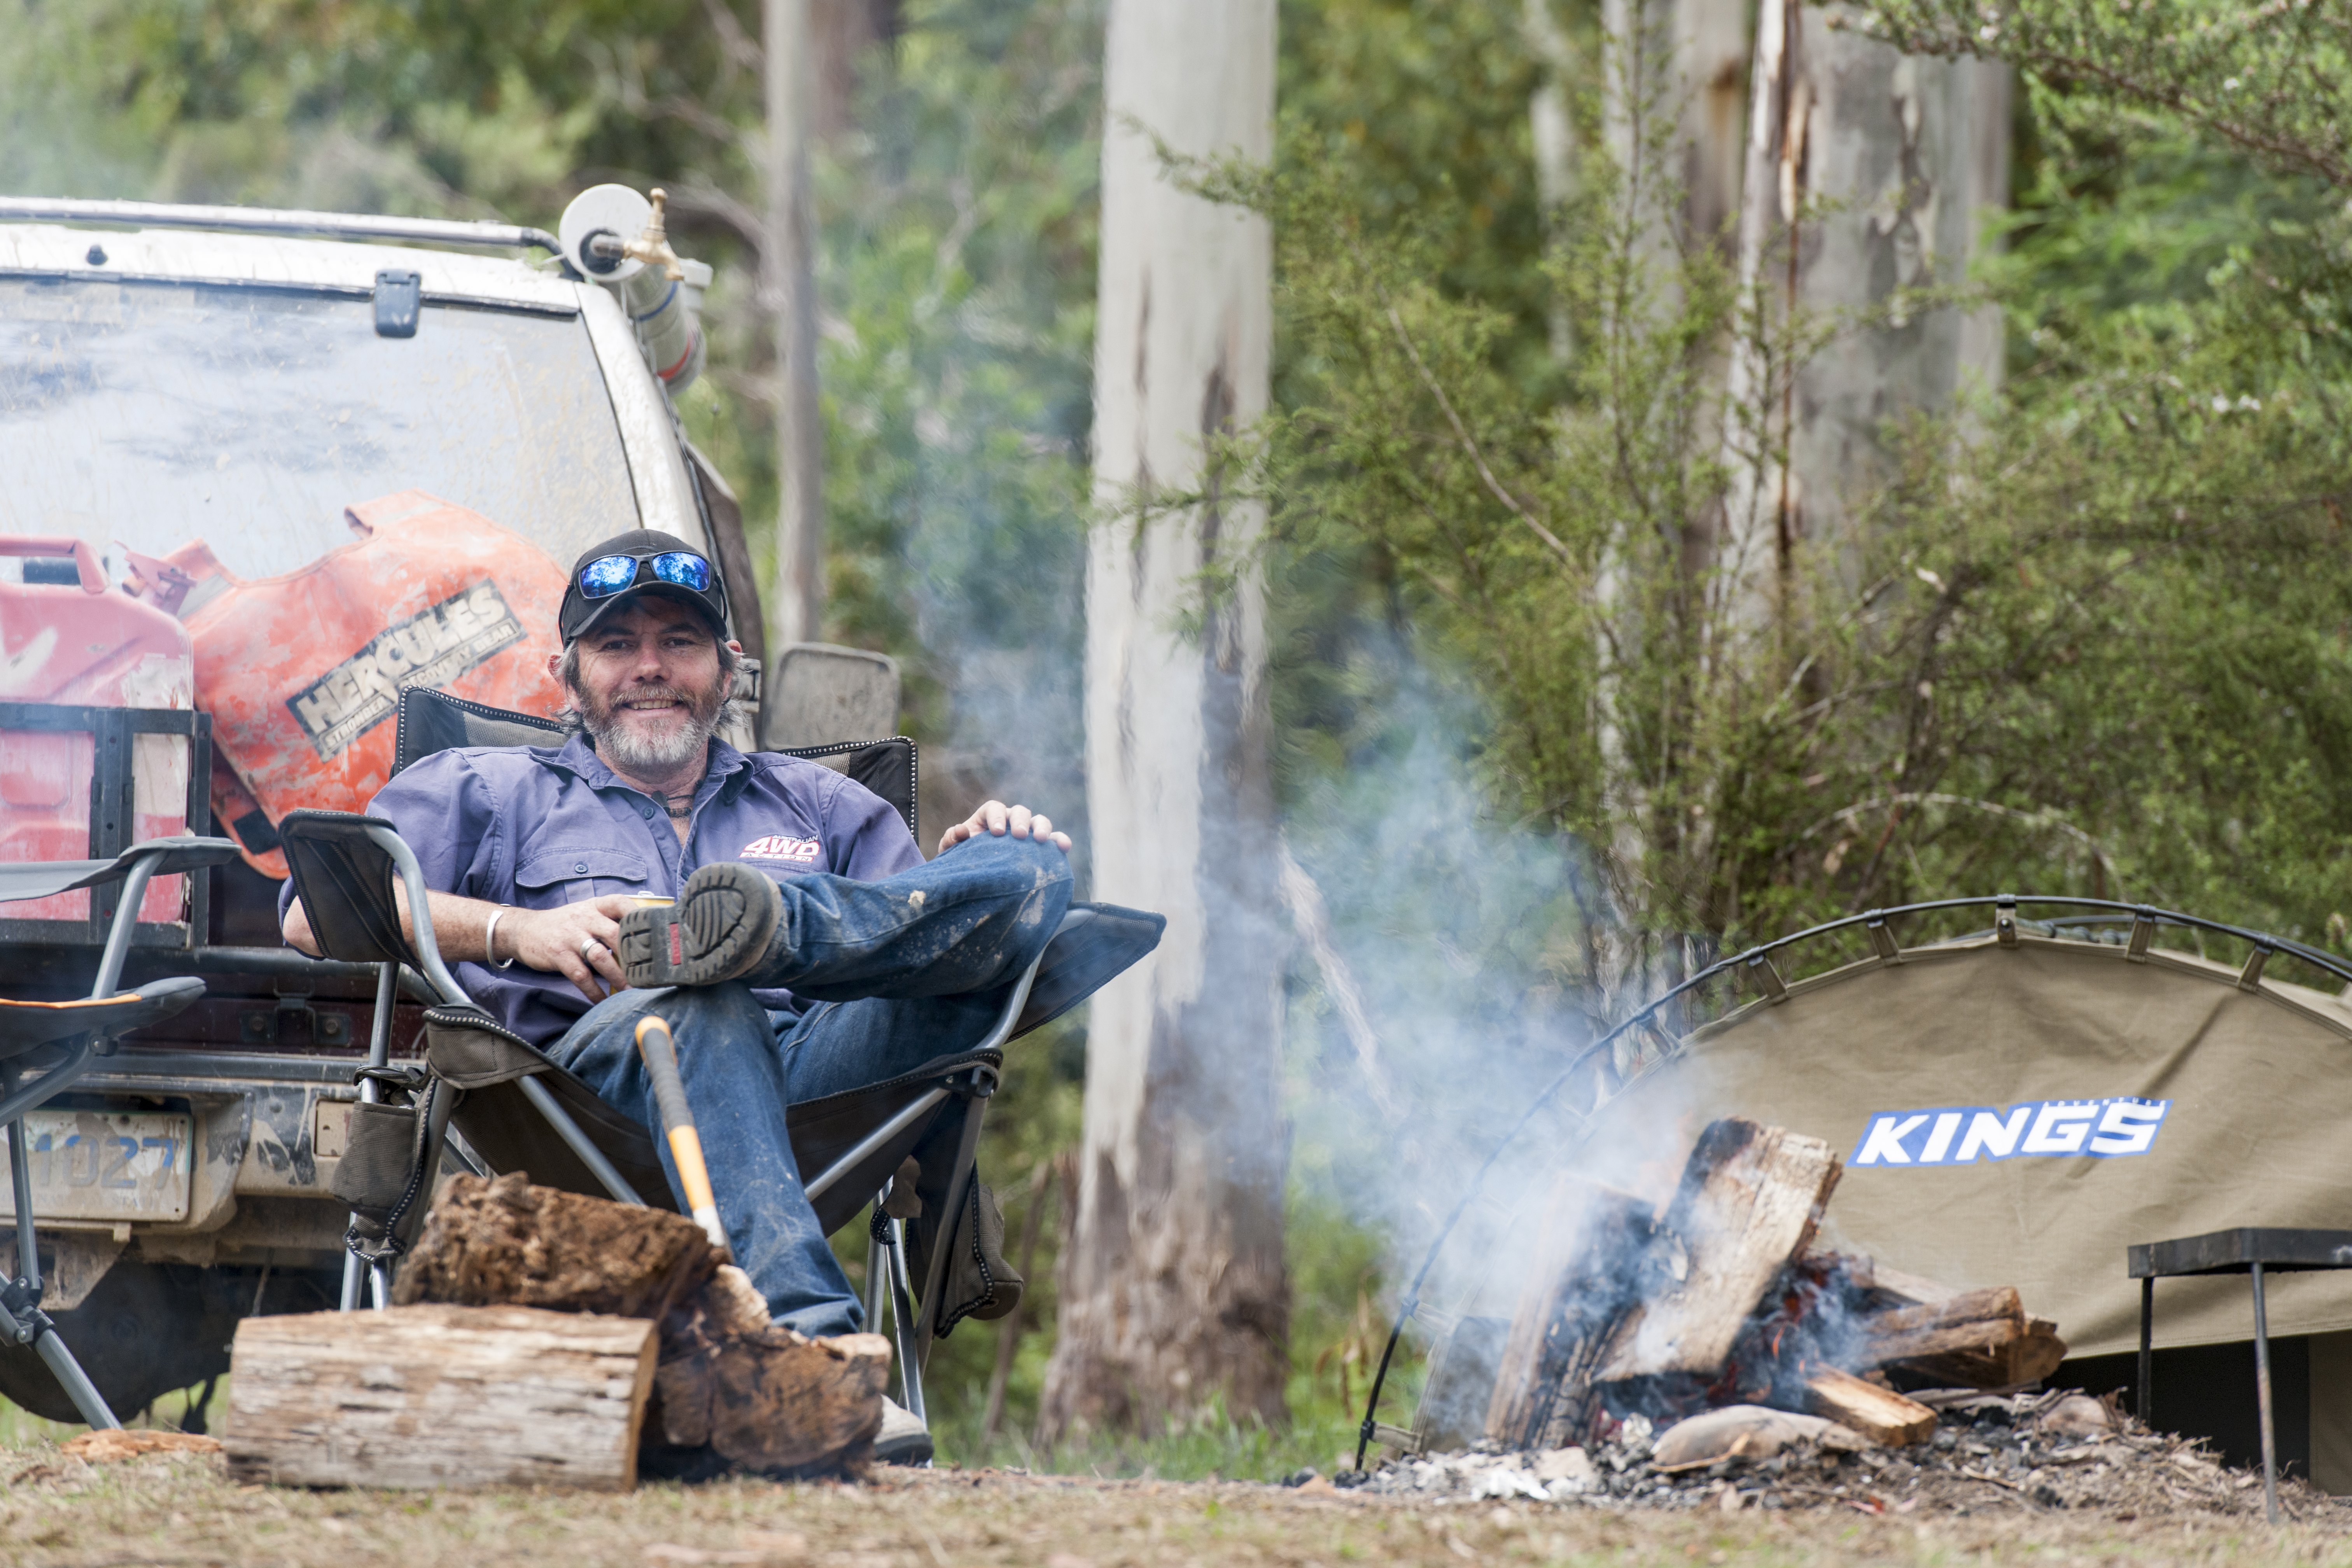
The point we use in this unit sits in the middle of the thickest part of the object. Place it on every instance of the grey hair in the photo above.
(736, 710)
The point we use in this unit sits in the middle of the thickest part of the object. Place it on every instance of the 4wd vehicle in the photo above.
(343, 454)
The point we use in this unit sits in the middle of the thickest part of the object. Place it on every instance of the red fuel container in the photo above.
(67, 639)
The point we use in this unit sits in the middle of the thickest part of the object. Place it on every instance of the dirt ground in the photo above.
(59, 1512)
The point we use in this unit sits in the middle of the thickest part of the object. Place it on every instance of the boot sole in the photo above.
(718, 929)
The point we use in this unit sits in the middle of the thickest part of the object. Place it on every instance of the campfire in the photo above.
(1719, 1355)
(1726, 1300)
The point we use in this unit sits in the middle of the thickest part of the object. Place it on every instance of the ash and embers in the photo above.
(1989, 1453)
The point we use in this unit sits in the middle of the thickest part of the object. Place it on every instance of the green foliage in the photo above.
(2273, 80)
(2083, 641)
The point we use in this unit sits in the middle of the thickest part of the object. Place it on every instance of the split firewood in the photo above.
(1750, 1201)
(761, 1395)
(756, 1393)
(2028, 1358)
(1879, 1413)
(504, 1242)
(1971, 1339)
(439, 1396)
(1588, 1248)
(1974, 1320)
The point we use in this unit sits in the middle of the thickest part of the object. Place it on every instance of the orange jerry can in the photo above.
(302, 673)
(69, 640)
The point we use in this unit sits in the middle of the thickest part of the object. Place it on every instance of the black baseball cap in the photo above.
(630, 565)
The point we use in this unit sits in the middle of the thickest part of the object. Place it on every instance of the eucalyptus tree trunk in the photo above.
(1673, 83)
(1673, 79)
(789, 282)
(1552, 132)
(1868, 172)
(1173, 1290)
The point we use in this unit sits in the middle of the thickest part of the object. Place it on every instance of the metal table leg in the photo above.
(2262, 1397)
(2147, 1411)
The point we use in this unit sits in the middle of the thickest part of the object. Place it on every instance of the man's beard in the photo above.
(682, 743)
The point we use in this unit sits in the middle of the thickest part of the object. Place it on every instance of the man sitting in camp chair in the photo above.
(810, 949)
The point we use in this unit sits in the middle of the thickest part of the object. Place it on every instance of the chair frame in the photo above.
(22, 1320)
(914, 1327)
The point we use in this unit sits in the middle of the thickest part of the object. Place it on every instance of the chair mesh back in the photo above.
(434, 722)
(345, 884)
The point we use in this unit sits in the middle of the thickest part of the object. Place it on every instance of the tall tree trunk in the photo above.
(1868, 171)
(1173, 1290)
(841, 32)
(789, 280)
(1673, 75)
(1552, 132)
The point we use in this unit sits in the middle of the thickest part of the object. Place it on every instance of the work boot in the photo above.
(904, 1439)
(720, 929)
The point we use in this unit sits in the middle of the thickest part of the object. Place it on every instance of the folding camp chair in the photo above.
(515, 1110)
(59, 1040)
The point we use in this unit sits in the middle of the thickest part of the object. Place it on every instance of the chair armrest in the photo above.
(42, 878)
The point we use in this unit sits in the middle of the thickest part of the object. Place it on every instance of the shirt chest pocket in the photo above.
(551, 876)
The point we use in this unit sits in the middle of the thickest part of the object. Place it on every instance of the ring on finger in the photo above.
(589, 947)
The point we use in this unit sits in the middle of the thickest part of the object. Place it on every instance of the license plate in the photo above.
(97, 1164)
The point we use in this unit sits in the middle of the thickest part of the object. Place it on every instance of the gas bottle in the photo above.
(79, 642)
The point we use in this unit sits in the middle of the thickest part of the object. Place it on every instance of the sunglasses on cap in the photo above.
(610, 574)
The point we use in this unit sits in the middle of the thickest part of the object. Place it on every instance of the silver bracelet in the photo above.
(491, 940)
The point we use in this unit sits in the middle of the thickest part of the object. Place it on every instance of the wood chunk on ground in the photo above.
(1879, 1413)
(1750, 1199)
(504, 1242)
(429, 1396)
(759, 1395)
(109, 1445)
(1743, 1431)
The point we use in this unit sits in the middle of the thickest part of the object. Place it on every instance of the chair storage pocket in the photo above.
(373, 1176)
(979, 1283)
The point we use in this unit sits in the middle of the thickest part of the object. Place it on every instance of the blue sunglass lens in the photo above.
(685, 570)
(607, 575)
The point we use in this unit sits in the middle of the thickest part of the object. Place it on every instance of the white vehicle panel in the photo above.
(195, 256)
(232, 387)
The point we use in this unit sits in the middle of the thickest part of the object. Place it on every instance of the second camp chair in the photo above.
(513, 1109)
(59, 1040)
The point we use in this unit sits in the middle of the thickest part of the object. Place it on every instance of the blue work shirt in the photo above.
(538, 827)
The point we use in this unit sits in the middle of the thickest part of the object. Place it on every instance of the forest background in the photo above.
(2094, 639)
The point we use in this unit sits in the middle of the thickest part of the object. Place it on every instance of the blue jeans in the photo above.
(901, 979)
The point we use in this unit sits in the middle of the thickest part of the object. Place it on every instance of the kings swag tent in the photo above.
(2019, 1115)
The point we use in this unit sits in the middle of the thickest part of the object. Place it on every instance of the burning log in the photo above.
(1879, 1413)
(1750, 1201)
(1978, 1321)
(2028, 1358)
(1725, 1303)
(1958, 1339)
(1587, 1253)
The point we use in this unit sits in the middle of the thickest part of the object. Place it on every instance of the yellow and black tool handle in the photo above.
(660, 1053)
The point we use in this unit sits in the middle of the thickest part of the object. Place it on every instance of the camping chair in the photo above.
(513, 1109)
(57, 1040)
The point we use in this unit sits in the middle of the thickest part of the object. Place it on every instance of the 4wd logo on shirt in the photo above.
(1962, 1135)
(432, 648)
(791, 851)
